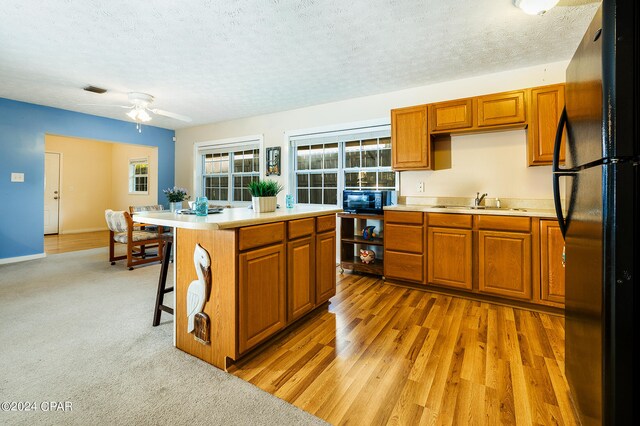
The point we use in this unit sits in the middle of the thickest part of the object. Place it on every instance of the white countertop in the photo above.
(232, 217)
(544, 213)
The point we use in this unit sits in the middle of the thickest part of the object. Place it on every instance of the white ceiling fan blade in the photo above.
(171, 115)
(110, 106)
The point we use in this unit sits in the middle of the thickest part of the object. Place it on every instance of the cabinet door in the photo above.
(546, 106)
(501, 109)
(450, 115)
(301, 277)
(552, 269)
(404, 266)
(410, 147)
(325, 266)
(450, 259)
(262, 309)
(504, 264)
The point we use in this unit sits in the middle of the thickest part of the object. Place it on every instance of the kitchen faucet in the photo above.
(479, 199)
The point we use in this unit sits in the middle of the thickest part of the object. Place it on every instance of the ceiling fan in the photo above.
(139, 109)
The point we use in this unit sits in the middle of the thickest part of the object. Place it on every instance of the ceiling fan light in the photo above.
(133, 114)
(535, 7)
(143, 116)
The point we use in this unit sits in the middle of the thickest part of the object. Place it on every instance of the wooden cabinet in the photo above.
(404, 246)
(450, 257)
(451, 115)
(504, 263)
(351, 241)
(546, 107)
(262, 295)
(501, 109)
(552, 271)
(410, 146)
(326, 266)
(301, 277)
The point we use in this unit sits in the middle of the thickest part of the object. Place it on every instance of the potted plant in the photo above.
(176, 196)
(263, 195)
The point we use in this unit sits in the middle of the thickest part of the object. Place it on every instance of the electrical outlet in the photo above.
(17, 177)
(420, 186)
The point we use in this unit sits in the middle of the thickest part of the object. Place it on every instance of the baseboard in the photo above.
(22, 258)
(80, 231)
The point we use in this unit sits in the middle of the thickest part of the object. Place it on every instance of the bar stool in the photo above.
(162, 281)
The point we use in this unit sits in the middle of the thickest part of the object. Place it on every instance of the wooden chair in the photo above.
(123, 230)
(151, 208)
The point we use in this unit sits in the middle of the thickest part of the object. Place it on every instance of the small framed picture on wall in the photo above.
(273, 161)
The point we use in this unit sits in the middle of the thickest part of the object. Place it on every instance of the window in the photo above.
(224, 170)
(327, 163)
(139, 176)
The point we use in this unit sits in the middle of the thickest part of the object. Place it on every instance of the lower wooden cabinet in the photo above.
(504, 264)
(404, 266)
(301, 277)
(449, 260)
(262, 295)
(326, 266)
(552, 269)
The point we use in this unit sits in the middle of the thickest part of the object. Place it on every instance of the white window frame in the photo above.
(132, 175)
(225, 145)
(345, 131)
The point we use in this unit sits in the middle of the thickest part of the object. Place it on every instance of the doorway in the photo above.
(51, 192)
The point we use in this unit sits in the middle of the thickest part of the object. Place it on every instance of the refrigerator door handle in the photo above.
(558, 173)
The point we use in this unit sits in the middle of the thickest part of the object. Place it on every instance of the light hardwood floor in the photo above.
(73, 242)
(385, 354)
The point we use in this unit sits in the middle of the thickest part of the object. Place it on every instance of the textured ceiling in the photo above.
(218, 60)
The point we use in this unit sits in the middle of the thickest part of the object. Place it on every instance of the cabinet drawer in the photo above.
(260, 235)
(501, 108)
(504, 223)
(408, 238)
(404, 266)
(414, 218)
(451, 115)
(450, 220)
(326, 223)
(300, 228)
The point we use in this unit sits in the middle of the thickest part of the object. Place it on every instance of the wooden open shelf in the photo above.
(359, 240)
(355, 264)
(362, 216)
(351, 240)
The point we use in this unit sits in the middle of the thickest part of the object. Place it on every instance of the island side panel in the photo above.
(221, 246)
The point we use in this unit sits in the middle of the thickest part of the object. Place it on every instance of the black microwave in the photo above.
(371, 202)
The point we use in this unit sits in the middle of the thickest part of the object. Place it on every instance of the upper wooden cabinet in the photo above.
(551, 265)
(546, 106)
(410, 146)
(501, 109)
(451, 115)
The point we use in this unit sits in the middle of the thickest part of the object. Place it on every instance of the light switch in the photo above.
(17, 177)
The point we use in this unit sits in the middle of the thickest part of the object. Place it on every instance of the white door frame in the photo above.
(59, 188)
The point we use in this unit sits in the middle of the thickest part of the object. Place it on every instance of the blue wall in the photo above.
(22, 130)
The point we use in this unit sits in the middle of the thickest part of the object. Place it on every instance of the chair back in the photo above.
(155, 207)
(116, 220)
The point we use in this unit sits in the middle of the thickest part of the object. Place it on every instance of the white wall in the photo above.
(491, 162)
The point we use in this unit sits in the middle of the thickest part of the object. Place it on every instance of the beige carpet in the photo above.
(74, 328)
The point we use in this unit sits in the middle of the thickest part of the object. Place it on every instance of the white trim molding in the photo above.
(22, 258)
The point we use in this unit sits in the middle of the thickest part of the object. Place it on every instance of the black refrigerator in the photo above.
(599, 218)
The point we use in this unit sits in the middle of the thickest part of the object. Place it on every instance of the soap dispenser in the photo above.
(498, 203)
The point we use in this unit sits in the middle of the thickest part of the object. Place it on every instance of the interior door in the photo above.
(51, 192)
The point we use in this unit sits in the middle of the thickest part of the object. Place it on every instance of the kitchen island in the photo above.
(257, 273)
